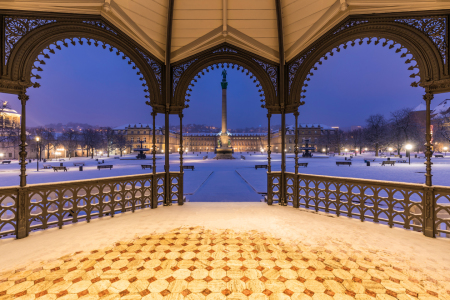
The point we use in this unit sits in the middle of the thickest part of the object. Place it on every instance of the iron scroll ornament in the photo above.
(419, 50)
(37, 39)
(263, 73)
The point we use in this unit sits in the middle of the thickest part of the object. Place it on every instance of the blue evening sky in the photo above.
(91, 85)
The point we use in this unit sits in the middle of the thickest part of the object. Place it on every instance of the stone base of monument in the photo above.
(224, 153)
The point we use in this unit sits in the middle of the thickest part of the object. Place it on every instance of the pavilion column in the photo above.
(168, 200)
(296, 200)
(283, 201)
(429, 210)
(269, 176)
(268, 143)
(22, 199)
(154, 203)
(180, 183)
(296, 142)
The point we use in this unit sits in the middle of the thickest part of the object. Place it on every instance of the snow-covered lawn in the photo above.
(414, 173)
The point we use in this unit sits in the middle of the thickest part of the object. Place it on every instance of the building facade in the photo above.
(207, 142)
(311, 132)
(9, 132)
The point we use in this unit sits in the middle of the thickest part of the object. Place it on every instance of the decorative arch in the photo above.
(30, 41)
(264, 74)
(417, 39)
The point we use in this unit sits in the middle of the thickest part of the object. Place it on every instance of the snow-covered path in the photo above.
(225, 186)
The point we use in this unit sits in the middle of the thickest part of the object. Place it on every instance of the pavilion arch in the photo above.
(264, 74)
(431, 59)
(25, 57)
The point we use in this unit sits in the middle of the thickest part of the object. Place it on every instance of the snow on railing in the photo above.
(392, 203)
(61, 203)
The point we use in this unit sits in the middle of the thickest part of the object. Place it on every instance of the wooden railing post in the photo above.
(22, 200)
(429, 211)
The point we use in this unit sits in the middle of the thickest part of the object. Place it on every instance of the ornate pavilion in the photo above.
(302, 248)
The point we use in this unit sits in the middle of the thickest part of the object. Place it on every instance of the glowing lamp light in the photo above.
(346, 150)
(1, 154)
(408, 147)
(390, 149)
(37, 139)
(445, 148)
(323, 150)
(365, 149)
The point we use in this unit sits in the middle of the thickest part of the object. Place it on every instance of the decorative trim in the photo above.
(349, 24)
(433, 27)
(272, 71)
(157, 70)
(294, 66)
(224, 50)
(17, 27)
(178, 71)
(101, 25)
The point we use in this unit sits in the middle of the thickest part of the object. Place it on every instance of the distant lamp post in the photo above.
(445, 151)
(408, 151)
(1, 155)
(345, 150)
(56, 154)
(323, 150)
(37, 153)
(390, 150)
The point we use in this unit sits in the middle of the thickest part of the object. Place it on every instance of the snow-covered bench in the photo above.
(6, 162)
(47, 166)
(388, 162)
(261, 167)
(348, 163)
(58, 168)
(439, 155)
(77, 164)
(303, 165)
(105, 167)
(189, 167)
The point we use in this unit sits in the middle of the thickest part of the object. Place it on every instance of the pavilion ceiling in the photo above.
(249, 24)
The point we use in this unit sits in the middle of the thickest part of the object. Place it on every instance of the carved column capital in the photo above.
(428, 96)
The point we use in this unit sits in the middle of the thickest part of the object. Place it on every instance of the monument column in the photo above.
(224, 151)
(224, 84)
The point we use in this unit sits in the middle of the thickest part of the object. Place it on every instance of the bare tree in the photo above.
(47, 138)
(120, 142)
(108, 135)
(442, 127)
(70, 140)
(338, 139)
(91, 139)
(376, 130)
(326, 140)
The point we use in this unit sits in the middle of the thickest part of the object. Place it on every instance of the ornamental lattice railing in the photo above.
(62, 203)
(391, 203)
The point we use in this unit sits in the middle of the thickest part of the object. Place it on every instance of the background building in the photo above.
(9, 132)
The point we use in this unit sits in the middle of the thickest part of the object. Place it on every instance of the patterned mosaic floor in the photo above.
(198, 264)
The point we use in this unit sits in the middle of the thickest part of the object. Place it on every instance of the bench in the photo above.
(189, 167)
(101, 162)
(105, 167)
(205, 157)
(368, 160)
(56, 169)
(78, 164)
(261, 167)
(47, 166)
(146, 167)
(439, 155)
(388, 162)
(338, 163)
(402, 161)
(6, 162)
(303, 165)
(116, 157)
(243, 157)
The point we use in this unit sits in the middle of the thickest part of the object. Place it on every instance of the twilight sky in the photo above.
(91, 85)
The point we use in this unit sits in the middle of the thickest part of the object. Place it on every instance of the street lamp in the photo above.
(56, 154)
(390, 150)
(408, 152)
(445, 149)
(37, 150)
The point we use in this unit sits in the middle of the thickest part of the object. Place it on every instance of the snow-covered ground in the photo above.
(214, 176)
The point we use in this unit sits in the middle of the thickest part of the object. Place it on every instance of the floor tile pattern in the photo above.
(199, 264)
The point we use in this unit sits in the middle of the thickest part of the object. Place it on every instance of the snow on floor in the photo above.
(411, 260)
(222, 180)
